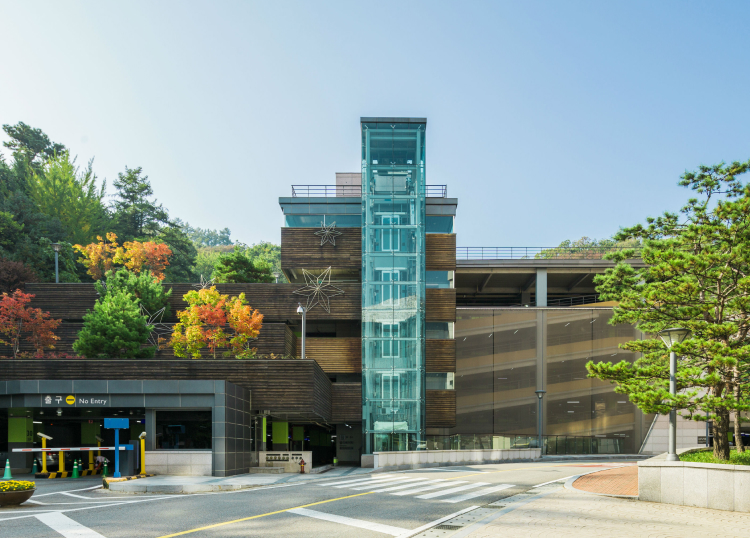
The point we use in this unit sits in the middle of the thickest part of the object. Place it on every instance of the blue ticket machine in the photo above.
(117, 424)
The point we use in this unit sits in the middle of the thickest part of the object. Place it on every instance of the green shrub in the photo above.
(115, 329)
(142, 286)
(706, 456)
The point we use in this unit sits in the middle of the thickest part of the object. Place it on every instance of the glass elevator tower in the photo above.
(393, 283)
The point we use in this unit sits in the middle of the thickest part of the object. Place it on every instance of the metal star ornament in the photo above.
(158, 328)
(318, 289)
(328, 234)
(204, 284)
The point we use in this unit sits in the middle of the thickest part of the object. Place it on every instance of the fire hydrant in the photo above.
(302, 466)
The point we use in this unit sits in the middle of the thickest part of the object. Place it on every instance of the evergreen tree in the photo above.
(142, 286)
(116, 329)
(236, 267)
(696, 275)
(136, 215)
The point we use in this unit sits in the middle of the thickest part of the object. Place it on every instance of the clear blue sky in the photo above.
(548, 120)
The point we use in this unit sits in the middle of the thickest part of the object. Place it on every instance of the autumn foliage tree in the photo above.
(215, 321)
(106, 254)
(19, 321)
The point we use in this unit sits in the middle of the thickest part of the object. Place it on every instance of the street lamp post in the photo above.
(56, 247)
(540, 394)
(302, 310)
(276, 275)
(671, 337)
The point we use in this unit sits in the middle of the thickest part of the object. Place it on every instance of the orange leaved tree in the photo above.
(17, 319)
(136, 256)
(215, 321)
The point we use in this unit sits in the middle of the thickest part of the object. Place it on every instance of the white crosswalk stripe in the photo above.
(452, 490)
(378, 482)
(479, 493)
(400, 486)
(390, 482)
(361, 480)
(427, 488)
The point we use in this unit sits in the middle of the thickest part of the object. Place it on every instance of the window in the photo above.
(439, 224)
(183, 430)
(390, 347)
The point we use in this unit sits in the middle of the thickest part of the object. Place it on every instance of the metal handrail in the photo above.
(531, 253)
(339, 191)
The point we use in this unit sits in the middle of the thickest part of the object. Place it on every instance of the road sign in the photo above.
(116, 423)
(75, 400)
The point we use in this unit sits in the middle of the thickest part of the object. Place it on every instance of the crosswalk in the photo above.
(440, 489)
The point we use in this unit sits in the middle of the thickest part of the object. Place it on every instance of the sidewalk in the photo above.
(202, 484)
(568, 513)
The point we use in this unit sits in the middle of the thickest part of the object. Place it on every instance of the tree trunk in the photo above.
(721, 439)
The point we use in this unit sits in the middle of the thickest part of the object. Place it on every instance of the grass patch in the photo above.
(707, 456)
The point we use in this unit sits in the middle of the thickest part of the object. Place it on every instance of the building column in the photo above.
(150, 429)
(541, 287)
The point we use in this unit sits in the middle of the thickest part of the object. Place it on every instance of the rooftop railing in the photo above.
(343, 191)
(535, 253)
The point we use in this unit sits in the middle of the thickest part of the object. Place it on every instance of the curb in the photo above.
(106, 481)
(123, 487)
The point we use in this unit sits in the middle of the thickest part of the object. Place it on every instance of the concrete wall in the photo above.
(288, 460)
(688, 432)
(179, 462)
(387, 461)
(702, 485)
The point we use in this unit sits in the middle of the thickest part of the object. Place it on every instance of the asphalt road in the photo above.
(376, 505)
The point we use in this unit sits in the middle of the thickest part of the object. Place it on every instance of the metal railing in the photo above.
(574, 301)
(553, 444)
(534, 253)
(342, 191)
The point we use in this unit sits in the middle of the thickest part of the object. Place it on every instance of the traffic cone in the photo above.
(104, 472)
(75, 470)
(34, 468)
(7, 475)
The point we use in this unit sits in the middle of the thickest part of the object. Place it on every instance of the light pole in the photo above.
(302, 310)
(540, 394)
(671, 337)
(276, 275)
(56, 247)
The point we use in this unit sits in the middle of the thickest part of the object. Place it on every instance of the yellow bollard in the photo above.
(143, 452)
(44, 455)
(61, 461)
(91, 460)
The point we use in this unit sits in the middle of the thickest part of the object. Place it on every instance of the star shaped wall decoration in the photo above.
(204, 284)
(328, 234)
(318, 289)
(158, 328)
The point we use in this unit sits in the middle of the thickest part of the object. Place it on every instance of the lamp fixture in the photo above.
(673, 336)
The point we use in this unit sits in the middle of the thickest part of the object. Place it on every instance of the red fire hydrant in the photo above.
(302, 466)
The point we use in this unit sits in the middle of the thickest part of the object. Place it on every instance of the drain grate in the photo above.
(449, 527)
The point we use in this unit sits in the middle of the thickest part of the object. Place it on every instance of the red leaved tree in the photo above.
(17, 320)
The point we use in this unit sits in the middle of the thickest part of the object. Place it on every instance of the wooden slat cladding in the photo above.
(440, 355)
(441, 252)
(440, 304)
(274, 338)
(297, 387)
(277, 302)
(346, 402)
(300, 247)
(440, 408)
(336, 355)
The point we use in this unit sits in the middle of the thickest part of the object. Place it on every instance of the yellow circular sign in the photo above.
(70, 400)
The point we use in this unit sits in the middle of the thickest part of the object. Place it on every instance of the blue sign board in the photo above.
(116, 423)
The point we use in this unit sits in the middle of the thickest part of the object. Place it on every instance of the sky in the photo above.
(547, 120)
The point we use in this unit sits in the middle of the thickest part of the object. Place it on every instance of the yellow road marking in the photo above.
(260, 515)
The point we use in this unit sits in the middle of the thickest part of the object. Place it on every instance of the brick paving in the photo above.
(568, 513)
(618, 481)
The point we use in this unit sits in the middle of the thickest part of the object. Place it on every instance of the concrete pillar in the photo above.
(150, 429)
(541, 287)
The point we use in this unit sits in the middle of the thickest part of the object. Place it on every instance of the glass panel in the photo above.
(441, 381)
(393, 286)
(439, 224)
(315, 221)
(439, 279)
(183, 430)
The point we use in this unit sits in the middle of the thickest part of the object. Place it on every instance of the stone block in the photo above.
(741, 489)
(200, 470)
(671, 482)
(721, 490)
(201, 458)
(175, 458)
(695, 485)
(180, 470)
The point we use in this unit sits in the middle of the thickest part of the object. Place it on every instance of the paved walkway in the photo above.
(619, 481)
(567, 513)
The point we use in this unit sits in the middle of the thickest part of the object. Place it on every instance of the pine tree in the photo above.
(116, 329)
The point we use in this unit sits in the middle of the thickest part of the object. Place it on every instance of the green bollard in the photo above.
(104, 471)
(7, 475)
(34, 468)
(75, 470)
